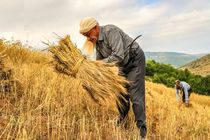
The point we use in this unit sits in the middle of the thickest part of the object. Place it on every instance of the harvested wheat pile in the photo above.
(98, 78)
(7, 83)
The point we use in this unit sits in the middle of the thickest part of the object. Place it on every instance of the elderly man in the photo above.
(113, 45)
(185, 89)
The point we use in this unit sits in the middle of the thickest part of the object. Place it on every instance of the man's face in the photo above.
(92, 35)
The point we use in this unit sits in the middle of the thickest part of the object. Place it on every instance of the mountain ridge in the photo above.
(176, 59)
(200, 66)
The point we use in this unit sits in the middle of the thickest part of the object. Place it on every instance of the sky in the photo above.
(165, 25)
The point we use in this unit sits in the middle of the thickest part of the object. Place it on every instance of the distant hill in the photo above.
(200, 66)
(173, 58)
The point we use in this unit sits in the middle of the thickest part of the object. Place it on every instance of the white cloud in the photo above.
(184, 24)
(174, 25)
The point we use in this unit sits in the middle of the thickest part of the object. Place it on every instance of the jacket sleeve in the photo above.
(115, 41)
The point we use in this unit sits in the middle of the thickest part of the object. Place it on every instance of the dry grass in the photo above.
(55, 106)
(17, 54)
(200, 66)
(174, 119)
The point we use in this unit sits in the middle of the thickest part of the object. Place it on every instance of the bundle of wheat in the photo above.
(98, 78)
(7, 83)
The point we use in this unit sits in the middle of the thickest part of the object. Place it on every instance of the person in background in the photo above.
(186, 90)
(113, 45)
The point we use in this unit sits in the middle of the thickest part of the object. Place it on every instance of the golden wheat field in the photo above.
(53, 106)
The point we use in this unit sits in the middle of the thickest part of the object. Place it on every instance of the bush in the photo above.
(166, 74)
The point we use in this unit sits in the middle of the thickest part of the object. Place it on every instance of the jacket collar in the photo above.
(101, 33)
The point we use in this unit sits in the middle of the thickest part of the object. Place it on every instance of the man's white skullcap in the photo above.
(86, 24)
